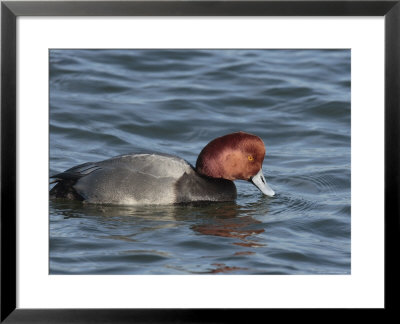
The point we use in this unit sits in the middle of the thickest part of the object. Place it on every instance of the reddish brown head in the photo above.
(237, 156)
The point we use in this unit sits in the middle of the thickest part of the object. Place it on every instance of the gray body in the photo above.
(137, 179)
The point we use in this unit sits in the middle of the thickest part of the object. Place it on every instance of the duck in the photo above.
(157, 178)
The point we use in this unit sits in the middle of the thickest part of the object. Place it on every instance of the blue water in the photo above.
(109, 102)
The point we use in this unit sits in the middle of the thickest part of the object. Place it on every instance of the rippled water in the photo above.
(109, 102)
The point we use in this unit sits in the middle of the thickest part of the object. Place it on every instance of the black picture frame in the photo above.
(10, 10)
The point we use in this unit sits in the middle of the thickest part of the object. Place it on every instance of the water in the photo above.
(109, 102)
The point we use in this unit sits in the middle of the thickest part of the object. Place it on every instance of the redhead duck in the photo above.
(135, 179)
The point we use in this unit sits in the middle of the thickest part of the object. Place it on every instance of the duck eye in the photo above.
(250, 158)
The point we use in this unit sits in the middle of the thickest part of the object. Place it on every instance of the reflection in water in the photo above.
(222, 268)
(217, 219)
(139, 228)
(241, 228)
(244, 253)
(70, 209)
(230, 224)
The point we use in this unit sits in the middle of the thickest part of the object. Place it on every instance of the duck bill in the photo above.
(259, 181)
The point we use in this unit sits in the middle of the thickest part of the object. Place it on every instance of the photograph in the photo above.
(190, 161)
(199, 161)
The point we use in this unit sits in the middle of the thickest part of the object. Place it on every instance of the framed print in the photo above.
(175, 155)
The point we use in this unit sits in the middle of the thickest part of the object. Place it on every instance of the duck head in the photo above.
(236, 156)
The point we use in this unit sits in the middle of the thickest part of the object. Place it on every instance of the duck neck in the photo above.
(198, 187)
